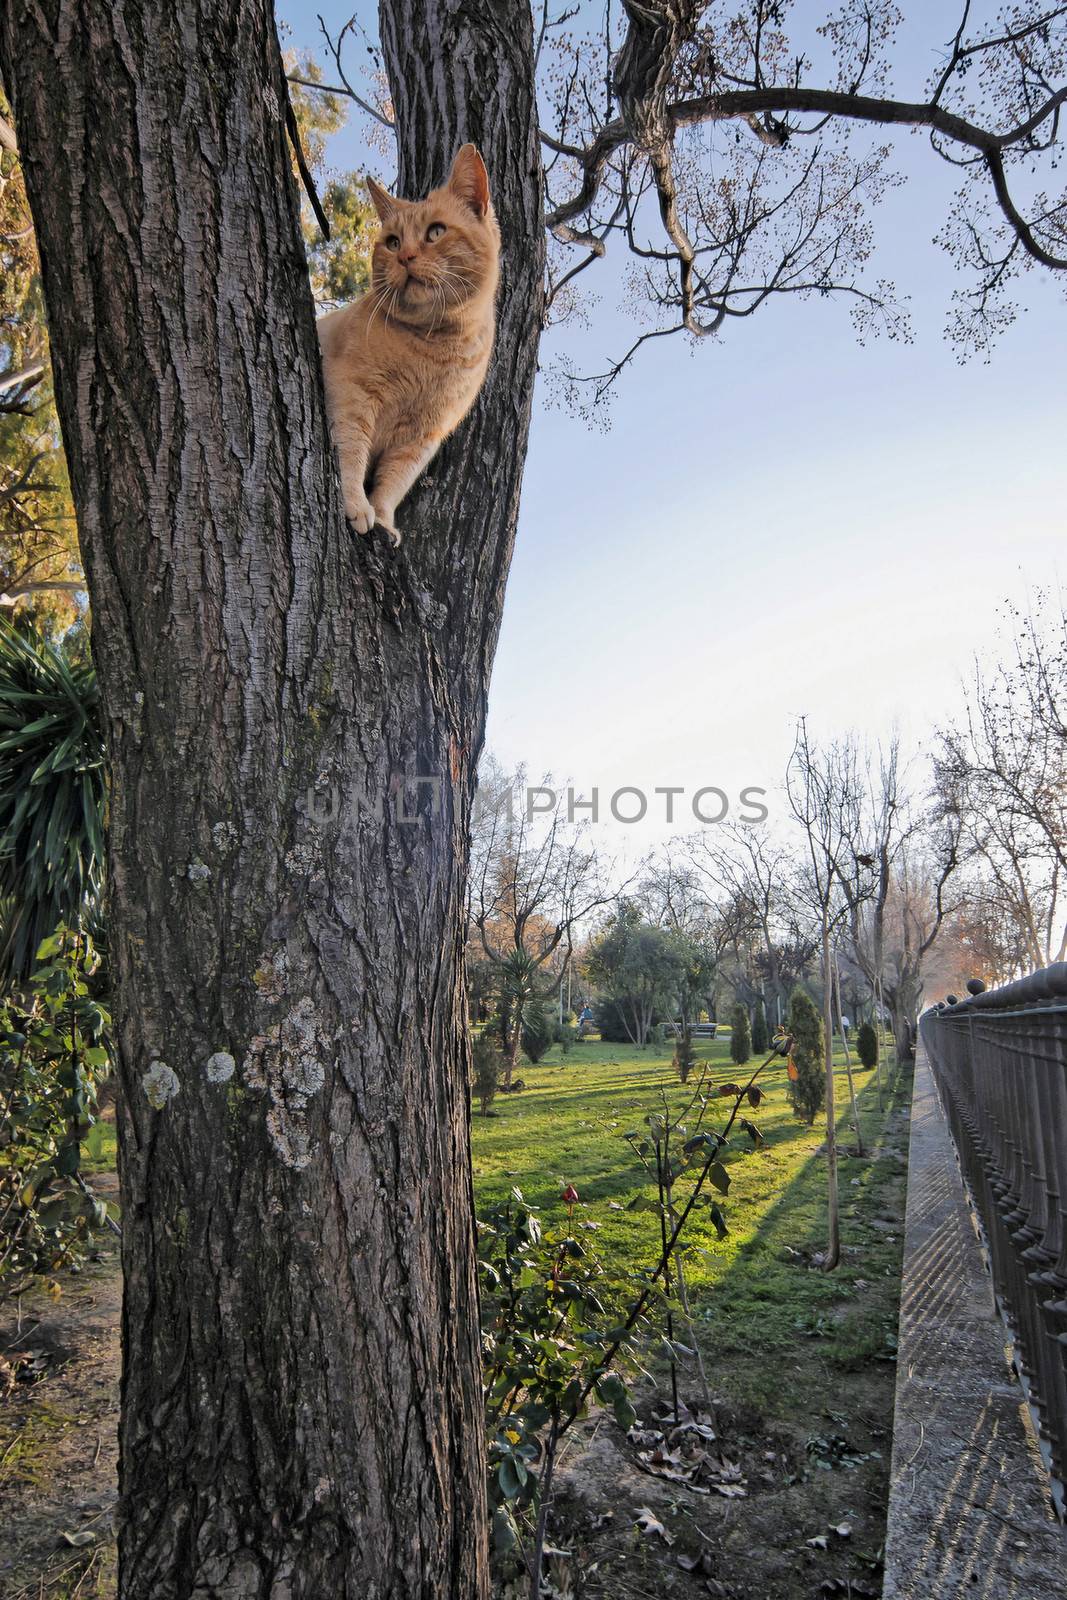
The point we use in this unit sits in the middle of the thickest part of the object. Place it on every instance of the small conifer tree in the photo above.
(867, 1046)
(487, 1063)
(807, 1090)
(760, 1041)
(740, 1036)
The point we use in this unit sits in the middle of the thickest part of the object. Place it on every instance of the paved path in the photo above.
(969, 1512)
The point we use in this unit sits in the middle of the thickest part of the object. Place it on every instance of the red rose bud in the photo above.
(570, 1194)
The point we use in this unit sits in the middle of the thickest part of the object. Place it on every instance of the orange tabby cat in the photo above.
(404, 363)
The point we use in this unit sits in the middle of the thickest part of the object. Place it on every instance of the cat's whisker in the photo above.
(448, 284)
(376, 297)
(454, 281)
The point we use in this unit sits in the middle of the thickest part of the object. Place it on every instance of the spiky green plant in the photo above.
(538, 1030)
(52, 796)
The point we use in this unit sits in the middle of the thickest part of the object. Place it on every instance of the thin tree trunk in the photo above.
(833, 1245)
(848, 1057)
(512, 1057)
(301, 1399)
(881, 1041)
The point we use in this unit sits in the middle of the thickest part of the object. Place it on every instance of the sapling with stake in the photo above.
(558, 1391)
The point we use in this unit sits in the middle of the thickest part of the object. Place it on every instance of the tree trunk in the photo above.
(903, 1005)
(512, 1057)
(833, 1243)
(301, 1394)
(848, 1056)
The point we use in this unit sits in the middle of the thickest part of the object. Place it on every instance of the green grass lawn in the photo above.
(100, 1149)
(756, 1299)
(798, 1360)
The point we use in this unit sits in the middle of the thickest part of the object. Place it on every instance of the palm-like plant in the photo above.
(52, 796)
(519, 985)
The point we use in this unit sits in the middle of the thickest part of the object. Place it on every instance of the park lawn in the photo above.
(762, 1311)
(754, 1295)
(800, 1362)
(100, 1148)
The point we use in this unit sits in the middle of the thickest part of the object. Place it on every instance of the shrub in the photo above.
(807, 1090)
(565, 1035)
(609, 1023)
(760, 1038)
(486, 1065)
(538, 1031)
(53, 1052)
(740, 1036)
(867, 1045)
(683, 1054)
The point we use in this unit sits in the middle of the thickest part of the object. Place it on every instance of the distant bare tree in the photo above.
(534, 876)
(1002, 779)
(755, 873)
(898, 889)
(825, 796)
(982, 939)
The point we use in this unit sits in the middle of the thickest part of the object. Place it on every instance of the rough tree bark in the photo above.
(301, 1396)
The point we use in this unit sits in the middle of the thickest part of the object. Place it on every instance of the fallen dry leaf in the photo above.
(700, 1564)
(652, 1525)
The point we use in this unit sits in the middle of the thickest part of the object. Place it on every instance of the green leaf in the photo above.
(625, 1415)
(62, 1209)
(718, 1175)
(611, 1388)
(507, 1476)
(505, 1536)
(68, 1160)
(718, 1220)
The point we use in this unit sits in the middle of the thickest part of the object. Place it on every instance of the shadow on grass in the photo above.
(759, 1294)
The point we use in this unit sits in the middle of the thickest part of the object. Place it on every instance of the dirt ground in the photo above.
(783, 1502)
(59, 1363)
(769, 1514)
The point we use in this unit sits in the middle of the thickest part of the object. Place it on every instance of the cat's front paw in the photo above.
(359, 512)
(384, 518)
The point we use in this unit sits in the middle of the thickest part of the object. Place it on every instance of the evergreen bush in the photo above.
(807, 1090)
(740, 1035)
(867, 1045)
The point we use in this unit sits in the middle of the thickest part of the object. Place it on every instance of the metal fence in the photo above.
(1000, 1061)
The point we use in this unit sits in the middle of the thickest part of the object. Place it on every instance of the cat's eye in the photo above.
(434, 231)
(392, 242)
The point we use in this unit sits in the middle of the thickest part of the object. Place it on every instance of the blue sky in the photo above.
(781, 521)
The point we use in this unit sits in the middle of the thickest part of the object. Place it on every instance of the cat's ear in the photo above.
(382, 200)
(469, 179)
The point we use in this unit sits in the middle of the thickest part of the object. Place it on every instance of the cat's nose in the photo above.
(406, 257)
